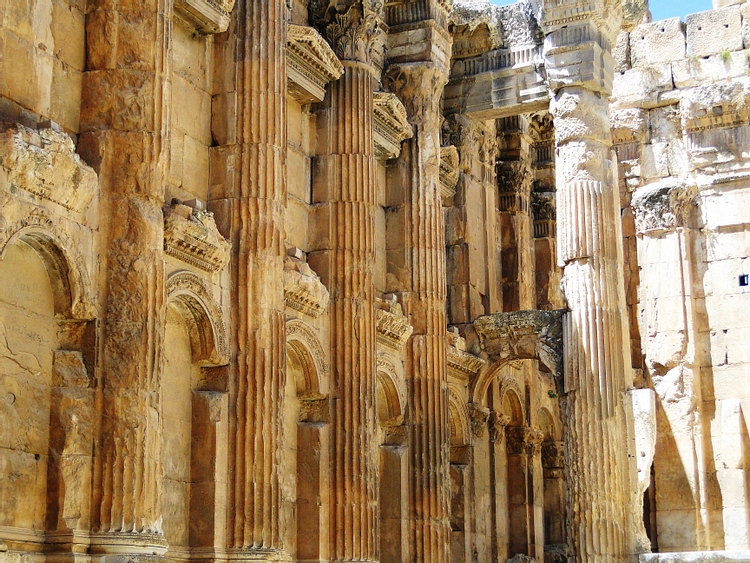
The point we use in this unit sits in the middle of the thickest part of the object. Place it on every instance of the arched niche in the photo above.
(390, 400)
(306, 417)
(194, 413)
(46, 400)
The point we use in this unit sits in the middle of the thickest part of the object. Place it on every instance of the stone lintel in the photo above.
(520, 335)
(190, 235)
(390, 125)
(310, 65)
(422, 41)
(204, 16)
(498, 93)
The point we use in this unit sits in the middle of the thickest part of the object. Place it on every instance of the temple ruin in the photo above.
(396, 281)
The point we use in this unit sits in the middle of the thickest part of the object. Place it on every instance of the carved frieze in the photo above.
(663, 207)
(303, 290)
(190, 235)
(204, 16)
(390, 125)
(45, 164)
(311, 64)
(449, 170)
(393, 328)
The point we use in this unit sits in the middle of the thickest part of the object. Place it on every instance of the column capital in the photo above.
(497, 424)
(418, 86)
(356, 30)
(663, 208)
(553, 455)
(479, 416)
(523, 440)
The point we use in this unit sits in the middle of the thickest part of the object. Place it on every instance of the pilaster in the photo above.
(128, 145)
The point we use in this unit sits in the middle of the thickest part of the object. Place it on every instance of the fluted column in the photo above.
(423, 296)
(601, 527)
(345, 184)
(248, 195)
(125, 125)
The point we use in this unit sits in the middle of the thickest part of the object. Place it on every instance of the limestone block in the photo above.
(67, 28)
(191, 110)
(745, 12)
(723, 208)
(621, 52)
(26, 73)
(641, 86)
(628, 125)
(728, 245)
(65, 96)
(644, 415)
(191, 58)
(726, 379)
(195, 168)
(694, 71)
(657, 42)
(655, 163)
(714, 31)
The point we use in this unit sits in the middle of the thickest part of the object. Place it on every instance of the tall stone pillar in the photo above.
(125, 125)
(248, 195)
(345, 183)
(601, 526)
(421, 275)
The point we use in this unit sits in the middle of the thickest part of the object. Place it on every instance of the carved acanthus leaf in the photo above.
(45, 164)
(663, 207)
(523, 440)
(356, 33)
(497, 424)
(191, 235)
(479, 416)
(311, 64)
(545, 214)
(390, 125)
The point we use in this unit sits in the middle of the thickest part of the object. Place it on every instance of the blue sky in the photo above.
(660, 9)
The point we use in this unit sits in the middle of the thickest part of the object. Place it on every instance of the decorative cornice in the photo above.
(191, 235)
(204, 16)
(311, 64)
(390, 125)
(393, 328)
(463, 365)
(449, 170)
(303, 290)
(45, 164)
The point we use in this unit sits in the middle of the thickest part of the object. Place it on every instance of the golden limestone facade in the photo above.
(397, 281)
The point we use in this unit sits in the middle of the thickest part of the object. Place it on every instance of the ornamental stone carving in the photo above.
(303, 290)
(545, 214)
(204, 16)
(311, 64)
(356, 31)
(190, 235)
(659, 208)
(314, 410)
(497, 424)
(461, 364)
(523, 440)
(553, 455)
(449, 170)
(44, 165)
(479, 416)
(390, 125)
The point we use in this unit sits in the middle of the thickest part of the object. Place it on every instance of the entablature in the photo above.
(311, 64)
(390, 125)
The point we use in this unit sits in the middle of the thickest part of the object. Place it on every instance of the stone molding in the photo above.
(297, 330)
(310, 64)
(303, 290)
(190, 235)
(390, 125)
(449, 170)
(44, 164)
(204, 16)
(404, 12)
(663, 208)
(461, 364)
(545, 214)
(393, 328)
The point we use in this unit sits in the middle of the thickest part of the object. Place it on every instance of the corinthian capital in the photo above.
(419, 86)
(355, 30)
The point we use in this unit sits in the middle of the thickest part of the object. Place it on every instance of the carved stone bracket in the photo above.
(523, 335)
(523, 440)
(479, 416)
(303, 290)
(310, 65)
(191, 236)
(393, 328)
(390, 125)
(204, 16)
(314, 410)
(497, 424)
(449, 170)
(663, 208)
(45, 164)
